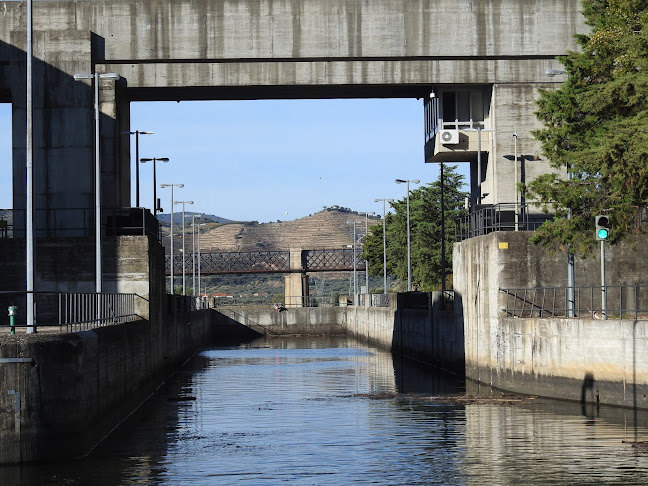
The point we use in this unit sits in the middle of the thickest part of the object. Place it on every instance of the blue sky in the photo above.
(271, 160)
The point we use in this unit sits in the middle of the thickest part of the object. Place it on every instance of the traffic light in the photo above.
(602, 227)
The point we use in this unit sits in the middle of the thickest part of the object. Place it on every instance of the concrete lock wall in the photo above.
(63, 393)
(559, 358)
(428, 333)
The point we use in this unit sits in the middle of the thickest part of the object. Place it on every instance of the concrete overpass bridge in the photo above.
(476, 66)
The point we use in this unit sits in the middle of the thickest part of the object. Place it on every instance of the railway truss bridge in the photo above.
(281, 261)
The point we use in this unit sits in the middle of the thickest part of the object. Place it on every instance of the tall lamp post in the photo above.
(479, 131)
(193, 252)
(184, 288)
(384, 201)
(137, 133)
(171, 186)
(29, 172)
(155, 205)
(96, 77)
(355, 274)
(409, 259)
(367, 214)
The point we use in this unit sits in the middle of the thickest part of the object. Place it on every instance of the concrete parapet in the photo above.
(588, 361)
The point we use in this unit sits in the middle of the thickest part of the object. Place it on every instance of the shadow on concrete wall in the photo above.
(428, 327)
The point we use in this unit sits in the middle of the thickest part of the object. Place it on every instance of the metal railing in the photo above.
(488, 218)
(622, 302)
(79, 222)
(69, 311)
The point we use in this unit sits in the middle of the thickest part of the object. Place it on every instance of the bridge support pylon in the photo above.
(296, 293)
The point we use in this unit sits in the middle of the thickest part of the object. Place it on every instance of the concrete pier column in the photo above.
(296, 293)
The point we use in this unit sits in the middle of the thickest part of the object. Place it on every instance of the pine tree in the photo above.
(596, 126)
(425, 233)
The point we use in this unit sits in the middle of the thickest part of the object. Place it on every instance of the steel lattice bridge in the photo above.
(223, 263)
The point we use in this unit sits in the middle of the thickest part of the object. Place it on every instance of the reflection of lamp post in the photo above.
(171, 186)
(184, 289)
(96, 77)
(137, 133)
(155, 159)
(363, 246)
(385, 201)
(409, 261)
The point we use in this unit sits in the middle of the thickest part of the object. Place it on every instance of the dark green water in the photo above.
(329, 411)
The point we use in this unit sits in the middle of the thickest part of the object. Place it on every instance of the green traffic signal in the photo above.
(602, 227)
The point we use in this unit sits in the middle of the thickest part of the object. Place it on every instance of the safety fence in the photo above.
(594, 302)
(67, 311)
(440, 300)
(79, 222)
(487, 218)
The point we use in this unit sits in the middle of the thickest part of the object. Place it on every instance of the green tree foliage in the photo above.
(425, 233)
(596, 126)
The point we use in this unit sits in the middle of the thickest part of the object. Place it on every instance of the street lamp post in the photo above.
(184, 288)
(29, 173)
(384, 201)
(171, 186)
(154, 160)
(479, 131)
(96, 77)
(409, 260)
(193, 252)
(137, 133)
(199, 290)
(367, 214)
(355, 273)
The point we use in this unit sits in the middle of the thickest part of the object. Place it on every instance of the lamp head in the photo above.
(111, 76)
(400, 181)
(554, 72)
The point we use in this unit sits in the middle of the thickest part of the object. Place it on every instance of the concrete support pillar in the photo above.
(296, 293)
(63, 125)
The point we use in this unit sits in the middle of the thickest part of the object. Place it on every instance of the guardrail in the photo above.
(622, 302)
(79, 222)
(487, 218)
(68, 311)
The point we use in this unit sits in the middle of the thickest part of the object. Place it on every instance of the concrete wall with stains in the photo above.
(576, 358)
(256, 49)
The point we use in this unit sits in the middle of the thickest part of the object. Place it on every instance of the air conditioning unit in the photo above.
(449, 137)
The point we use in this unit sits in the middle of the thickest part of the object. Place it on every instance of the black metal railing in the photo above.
(621, 302)
(488, 218)
(79, 222)
(69, 311)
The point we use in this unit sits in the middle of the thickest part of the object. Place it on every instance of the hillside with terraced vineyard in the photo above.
(327, 229)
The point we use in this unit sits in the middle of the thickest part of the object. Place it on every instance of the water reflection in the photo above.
(332, 411)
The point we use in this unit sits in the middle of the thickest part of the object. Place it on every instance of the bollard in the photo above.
(13, 310)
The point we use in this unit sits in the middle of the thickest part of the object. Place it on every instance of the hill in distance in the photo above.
(165, 218)
(327, 229)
